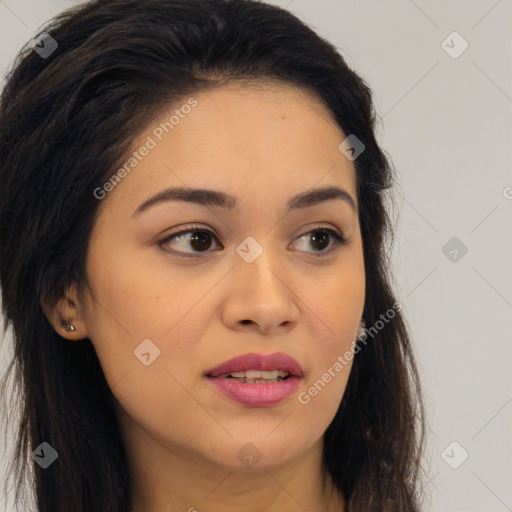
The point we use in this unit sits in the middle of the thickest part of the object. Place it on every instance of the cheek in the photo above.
(336, 302)
(129, 296)
(139, 308)
(319, 398)
(336, 311)
(318, 402)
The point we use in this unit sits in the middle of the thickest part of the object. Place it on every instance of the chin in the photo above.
(259, 452)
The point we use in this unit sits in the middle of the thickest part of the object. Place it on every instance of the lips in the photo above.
(258, 362)
(251, 391)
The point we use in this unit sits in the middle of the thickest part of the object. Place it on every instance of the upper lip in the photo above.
(261, 362)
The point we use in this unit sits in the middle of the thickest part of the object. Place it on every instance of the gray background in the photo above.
(446, 124)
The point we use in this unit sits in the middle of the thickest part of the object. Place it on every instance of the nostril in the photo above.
(246, 322)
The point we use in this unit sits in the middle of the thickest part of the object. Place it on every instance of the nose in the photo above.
(260, 295)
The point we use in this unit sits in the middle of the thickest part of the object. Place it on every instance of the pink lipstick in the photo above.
(257, 380)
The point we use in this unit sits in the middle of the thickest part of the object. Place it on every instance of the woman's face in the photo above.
(261, 278)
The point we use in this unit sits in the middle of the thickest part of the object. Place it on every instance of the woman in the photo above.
(193, 239)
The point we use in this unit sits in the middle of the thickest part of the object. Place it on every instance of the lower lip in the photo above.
(257, 395)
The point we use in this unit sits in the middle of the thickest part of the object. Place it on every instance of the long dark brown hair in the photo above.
(67, 120)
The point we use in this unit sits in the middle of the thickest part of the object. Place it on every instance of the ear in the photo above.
(66, 310)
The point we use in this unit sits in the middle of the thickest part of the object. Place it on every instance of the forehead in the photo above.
(250, 113)
(264, 137)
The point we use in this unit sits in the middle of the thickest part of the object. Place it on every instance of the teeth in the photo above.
(251, 375)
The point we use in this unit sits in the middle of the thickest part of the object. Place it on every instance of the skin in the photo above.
(263, 143)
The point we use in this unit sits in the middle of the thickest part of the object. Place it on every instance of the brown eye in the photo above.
(320, 240)
(198, 240)
(321, 237)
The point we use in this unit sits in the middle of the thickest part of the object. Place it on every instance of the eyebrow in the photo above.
(203, 197)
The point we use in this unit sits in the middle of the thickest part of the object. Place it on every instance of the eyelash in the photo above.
(339, 240)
